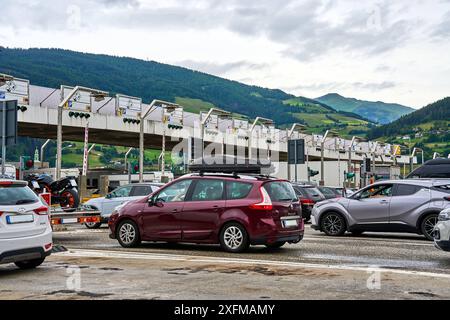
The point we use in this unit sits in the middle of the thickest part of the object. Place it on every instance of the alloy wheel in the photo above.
(428, 226)
(332, 224)
(233, 237)
(127, 233)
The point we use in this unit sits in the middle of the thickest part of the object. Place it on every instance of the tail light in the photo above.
(41, 211)
(1, 212)
(265, 204)
(306, 201)
(446, 198)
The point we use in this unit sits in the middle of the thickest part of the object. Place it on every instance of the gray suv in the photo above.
(388, 206)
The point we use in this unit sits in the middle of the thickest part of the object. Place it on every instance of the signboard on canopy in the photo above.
(128, 106)
(16, 89)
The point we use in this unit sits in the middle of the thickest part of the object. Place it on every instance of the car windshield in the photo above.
(280, 191)
(11, 195)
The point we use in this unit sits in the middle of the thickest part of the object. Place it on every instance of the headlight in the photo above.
(444, 216)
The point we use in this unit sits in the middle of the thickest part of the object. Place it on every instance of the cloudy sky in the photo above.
(394, 51)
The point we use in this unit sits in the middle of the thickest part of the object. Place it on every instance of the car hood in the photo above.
(342, 201)
(95, 201)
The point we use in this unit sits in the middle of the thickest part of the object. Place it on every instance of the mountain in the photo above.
(378, 111)
(427, 128)
(196, 91)
(152, 80)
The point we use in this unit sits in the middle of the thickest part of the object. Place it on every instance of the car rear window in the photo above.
(139, 191)
(327, 191)
(313, 192)
(405, 190)
(14, 194)
(280, 191)
(238, 190)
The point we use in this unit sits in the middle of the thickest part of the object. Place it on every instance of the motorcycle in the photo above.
(63, 191)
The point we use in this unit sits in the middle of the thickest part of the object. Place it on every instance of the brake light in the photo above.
(306, 201)
(6, 183)
(41, 210)
(265, 204)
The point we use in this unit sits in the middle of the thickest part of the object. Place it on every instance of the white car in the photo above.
(442, 231)
(119, 196)
(25, 230)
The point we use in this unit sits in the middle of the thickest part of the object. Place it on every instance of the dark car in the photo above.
(436, 168)
(233, 210)
(330, 192)
(308, 195)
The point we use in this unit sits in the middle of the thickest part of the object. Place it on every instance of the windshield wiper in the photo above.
(24, 201)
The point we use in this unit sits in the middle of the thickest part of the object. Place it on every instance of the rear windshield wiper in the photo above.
(24, 201)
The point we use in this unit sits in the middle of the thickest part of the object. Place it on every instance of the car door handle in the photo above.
(215, 208)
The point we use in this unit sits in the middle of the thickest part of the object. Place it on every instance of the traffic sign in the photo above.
(296, 151)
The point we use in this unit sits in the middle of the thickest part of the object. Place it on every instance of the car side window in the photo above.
(139, 191)
(379, 191)
(175, 192)
(238, 190)
(121, 192)
(208, 190)
(405, 190)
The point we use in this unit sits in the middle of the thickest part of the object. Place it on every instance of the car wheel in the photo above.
(306, 217)
(275, 245)
(333, 224)
(234, 238)
(92, 225)
(128, 234)
(427, 226)
(30, 264)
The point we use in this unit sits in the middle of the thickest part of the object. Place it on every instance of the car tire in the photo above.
(72, 202)
(275, 245)
(93, 225)
(333, 224)
(427, 226)
(127, 233)
(30, 264)
(234, 238)
(306, 217)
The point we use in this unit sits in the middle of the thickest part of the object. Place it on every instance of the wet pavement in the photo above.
(371, 266)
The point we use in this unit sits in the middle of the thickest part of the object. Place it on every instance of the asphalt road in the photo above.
(386, 250)
(371, 266)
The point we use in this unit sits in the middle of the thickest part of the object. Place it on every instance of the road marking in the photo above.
(82, 253)
(389, 241)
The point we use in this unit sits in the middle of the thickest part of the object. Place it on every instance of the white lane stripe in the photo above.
(204, 259)
(392, 241)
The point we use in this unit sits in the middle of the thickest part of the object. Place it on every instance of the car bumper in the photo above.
(442, 235)
(271, 232)
(27, 248)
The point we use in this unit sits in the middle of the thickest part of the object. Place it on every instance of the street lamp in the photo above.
(263, 122)
(415, 150)
(331, 134)
(98, 95)
(169, 106)
(4, 78)
(300, 128)
(221, 114)
(354, 142)
(42, 151)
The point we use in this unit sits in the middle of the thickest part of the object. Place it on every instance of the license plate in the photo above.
(73, 183)
(19, 219)
(35, 184)
(290, 223)
(70, 220)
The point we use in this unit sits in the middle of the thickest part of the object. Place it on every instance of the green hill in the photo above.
(194, 90)
(427, 128)
(378, 111)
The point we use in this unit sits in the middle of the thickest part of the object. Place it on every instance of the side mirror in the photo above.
(159, 203)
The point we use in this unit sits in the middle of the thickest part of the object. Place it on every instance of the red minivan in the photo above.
(233, 210)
